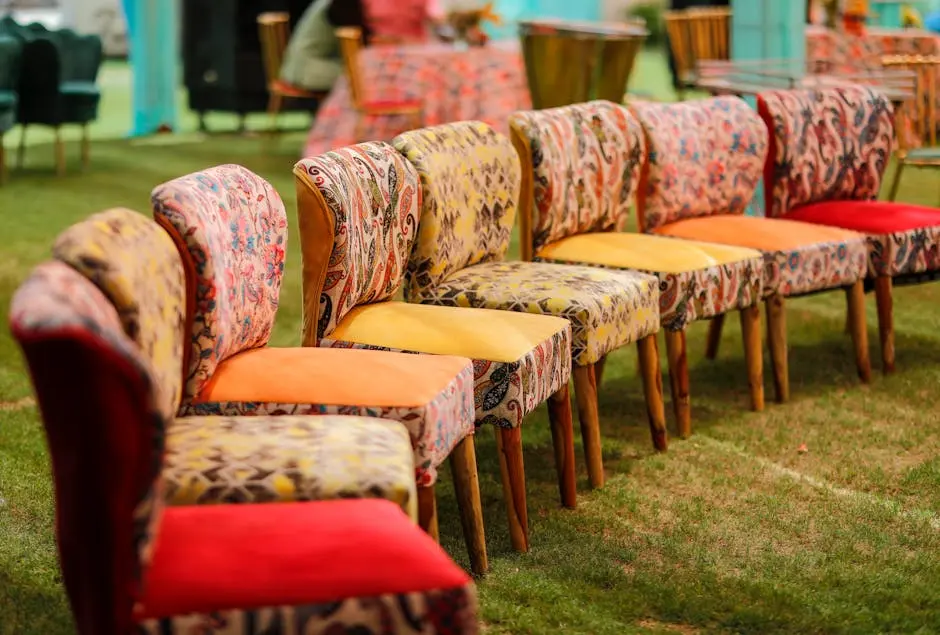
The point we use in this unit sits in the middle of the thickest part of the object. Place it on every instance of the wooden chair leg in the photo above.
(559, 414)
(59, 153)
(427, 511)
(360, 126)
(883, 296)
(86, 147)
(21, 149)
(463, 466)
(599, 366)
(585, 391)
(679, 381)
(859, 324)
(777, 341)
(753, 355)
(275, 101)
(715, 327)
(651, 374)
(509, 446)
(896, 183)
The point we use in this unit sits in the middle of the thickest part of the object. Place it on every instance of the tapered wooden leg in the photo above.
(653, 389)
(896, 183)
(275, 101)
(427, 511)
(509, 445)
(585, 391)
(777, 341)
(883, 296)
(559, 414)
(86, 147)
(59, 153)
(679, 381)
(715, 326)
(21, 149)
(599, 366)
(753, 355)
(859, 325)
(463, 466)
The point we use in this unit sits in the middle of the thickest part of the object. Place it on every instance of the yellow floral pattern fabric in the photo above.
(138, 268)
(607, 309)
(470, 179)
(285, 458)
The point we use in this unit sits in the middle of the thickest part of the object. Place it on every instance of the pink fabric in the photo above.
(483, 84)
(401, 19)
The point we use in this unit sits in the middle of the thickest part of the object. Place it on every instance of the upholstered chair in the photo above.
(829, 149)
(359, 209)
(131, 563)
(580, 172)
(703, 161)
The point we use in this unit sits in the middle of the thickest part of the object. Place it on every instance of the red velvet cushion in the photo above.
(288, 554)
(870, 217)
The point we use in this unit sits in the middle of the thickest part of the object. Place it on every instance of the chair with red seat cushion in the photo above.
(129, 564)
(829, 149)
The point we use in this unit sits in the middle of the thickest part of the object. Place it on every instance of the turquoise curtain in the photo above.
(512, 10)
(152, 36)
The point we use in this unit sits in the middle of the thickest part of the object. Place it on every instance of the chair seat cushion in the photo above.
(799, 258)
(607, 309)
(288, 458)
(393, 105)
(431, 395)
(519, 360)
(902, 239)
(696, 280)
(289, 90)
(339, 566)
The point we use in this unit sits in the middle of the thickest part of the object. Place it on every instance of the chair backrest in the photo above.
(350, 44)
(470, 179)
(923, 111)
(10, 49)
(704, 158)
(710, 33)
(358, 209)
(825, 145)
(580, 170)
(230, 228)
(274, 33)
(105, 432)
(679, 32)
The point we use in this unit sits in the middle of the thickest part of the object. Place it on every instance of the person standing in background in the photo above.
(312, 59)
(402, 21)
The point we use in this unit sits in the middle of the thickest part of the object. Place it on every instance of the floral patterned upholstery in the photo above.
(230, 226)
(585, 165)
(470, 187)
(125, 253)
(288, 458)
(369, 199)
(705, 158)
(831, 144)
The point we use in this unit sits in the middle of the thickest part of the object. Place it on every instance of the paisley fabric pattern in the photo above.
(56, 299)
(505, 393)
(705, 157)
(284, 458)
(373, 196)
(434, 612)
(905, 253)
(827, 145)
(814, 268)
(135, 264)
(585, 166)
(470, 180)
(434, 428)
(607, 309)
(698, 295)
(231, 228)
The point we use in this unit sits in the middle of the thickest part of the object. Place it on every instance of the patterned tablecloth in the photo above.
(487, 84)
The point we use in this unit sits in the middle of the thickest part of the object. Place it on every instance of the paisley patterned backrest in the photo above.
(137, 267)
(230, 227)
(358, 209)
(705, 158)
(580, 169)
(826, 145)
(470, 180)
(105, 431)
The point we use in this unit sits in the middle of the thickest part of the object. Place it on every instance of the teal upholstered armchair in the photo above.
(9, 76)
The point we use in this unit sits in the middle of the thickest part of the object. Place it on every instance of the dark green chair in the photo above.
(9, 76)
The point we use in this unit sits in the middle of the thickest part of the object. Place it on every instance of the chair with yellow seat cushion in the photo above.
(580, 169)
(358, 209)
(704, 159)
(470, 180)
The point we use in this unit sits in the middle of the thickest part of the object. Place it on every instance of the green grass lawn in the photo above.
(734, 530)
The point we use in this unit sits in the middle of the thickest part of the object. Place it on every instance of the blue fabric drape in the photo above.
(152, 38)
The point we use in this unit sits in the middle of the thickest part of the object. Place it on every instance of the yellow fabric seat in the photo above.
(643, 252)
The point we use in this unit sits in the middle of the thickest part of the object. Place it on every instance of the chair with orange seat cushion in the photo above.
(131, 564)
(229, 226)
(844, 137)
(580, 170)
(698, 148)
(358, 209)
